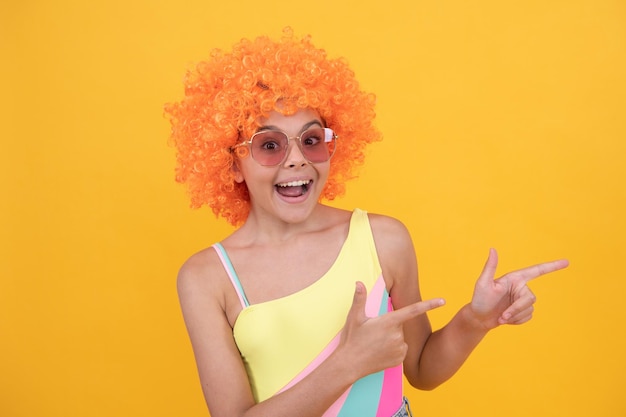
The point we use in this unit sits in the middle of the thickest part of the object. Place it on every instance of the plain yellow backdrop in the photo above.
(505, 127)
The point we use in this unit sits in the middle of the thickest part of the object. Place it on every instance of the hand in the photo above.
(377, 343)
(507, 300)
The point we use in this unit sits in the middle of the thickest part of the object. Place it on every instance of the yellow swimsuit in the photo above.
(283, 340)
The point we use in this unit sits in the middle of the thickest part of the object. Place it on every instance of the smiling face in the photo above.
(290, 190)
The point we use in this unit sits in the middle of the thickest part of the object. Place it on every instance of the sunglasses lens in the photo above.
(269, 147)
(318, 144)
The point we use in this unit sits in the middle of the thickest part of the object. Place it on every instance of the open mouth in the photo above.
(293, 188)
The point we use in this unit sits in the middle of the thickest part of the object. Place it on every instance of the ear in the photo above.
(237, 171)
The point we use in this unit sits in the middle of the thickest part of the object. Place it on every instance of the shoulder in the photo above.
(395, 250)
(196, 266)
(198, 275)
(390, 234)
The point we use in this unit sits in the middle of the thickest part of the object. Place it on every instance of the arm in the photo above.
(222, 373)
(433, 358)
(495, 302)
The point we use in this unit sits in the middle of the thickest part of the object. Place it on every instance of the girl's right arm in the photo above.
(222, 374)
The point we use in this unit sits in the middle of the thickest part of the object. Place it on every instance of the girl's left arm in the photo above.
(434, 357)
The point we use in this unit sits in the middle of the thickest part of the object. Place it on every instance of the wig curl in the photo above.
(226, 96)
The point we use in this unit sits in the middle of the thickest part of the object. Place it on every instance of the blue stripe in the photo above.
(233, 274)
(384, 303)
(364, 397)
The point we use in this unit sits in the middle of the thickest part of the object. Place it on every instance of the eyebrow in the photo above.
(305, 127)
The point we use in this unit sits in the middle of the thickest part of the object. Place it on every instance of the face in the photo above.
(290, 190)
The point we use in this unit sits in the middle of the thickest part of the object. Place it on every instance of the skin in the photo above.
(291, 236)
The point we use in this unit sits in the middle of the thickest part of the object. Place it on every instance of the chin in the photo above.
(297, 213)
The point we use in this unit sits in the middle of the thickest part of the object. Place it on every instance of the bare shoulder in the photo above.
(390, 234)
(199, 276)
(197, 268)
(396, 255)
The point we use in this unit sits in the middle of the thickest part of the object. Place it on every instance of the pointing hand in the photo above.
(378, 342)
(507, 300)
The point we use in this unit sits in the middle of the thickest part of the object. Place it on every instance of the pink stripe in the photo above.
(374, 298)
(324, 354)
(391, 396)
(335, 409)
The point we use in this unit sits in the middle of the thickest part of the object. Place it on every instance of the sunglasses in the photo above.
(269, 147)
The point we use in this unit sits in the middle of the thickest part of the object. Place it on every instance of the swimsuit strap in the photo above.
(234, 279)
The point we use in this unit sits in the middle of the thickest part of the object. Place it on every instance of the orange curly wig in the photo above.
(227, 95)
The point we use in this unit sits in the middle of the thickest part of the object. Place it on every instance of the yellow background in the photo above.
(504, 126)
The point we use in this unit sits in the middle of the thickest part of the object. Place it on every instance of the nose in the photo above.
(294, 157)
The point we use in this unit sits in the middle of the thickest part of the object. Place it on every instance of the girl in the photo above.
(305, 309)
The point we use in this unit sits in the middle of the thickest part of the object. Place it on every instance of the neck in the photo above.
(263, 228)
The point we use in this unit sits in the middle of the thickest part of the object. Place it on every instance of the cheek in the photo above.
(254, 175)
(324, 172)
(246, 170)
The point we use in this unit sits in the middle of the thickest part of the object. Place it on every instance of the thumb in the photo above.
(357, 310)
(489, 270)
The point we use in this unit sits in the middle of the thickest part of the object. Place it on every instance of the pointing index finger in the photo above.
(413, 310)
(538, 270)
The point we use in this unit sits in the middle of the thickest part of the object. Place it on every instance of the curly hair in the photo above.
(226, 96)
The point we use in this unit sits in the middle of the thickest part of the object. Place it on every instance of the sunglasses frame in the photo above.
(248, 144)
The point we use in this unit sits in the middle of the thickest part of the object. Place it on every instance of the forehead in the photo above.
(292, 123)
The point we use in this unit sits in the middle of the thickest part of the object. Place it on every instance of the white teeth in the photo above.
(294, 183)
